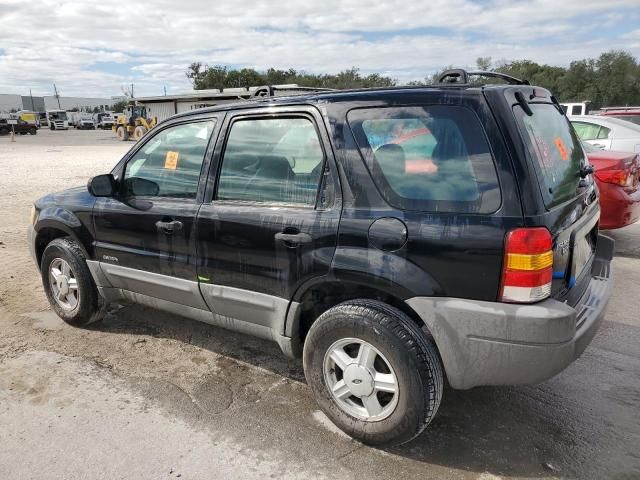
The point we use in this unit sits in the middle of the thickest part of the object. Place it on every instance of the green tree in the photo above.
(119, 106)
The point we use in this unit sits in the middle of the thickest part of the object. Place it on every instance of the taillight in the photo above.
(528, 265)
(624, 178)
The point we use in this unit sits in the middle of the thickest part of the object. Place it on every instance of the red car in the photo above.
(630, 114)
(618, 179)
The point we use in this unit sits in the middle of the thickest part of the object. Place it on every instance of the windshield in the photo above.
(554, 146)
(58, 115)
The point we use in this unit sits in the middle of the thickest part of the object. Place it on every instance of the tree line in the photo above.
(612, 79)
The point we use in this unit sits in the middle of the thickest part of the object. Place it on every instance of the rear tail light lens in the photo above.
(624, 178)
(528, 265)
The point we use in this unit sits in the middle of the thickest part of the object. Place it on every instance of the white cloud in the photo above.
(66, 42)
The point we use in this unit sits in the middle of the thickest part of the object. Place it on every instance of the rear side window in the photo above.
(272, 160)
(431, 158)
(555, 148)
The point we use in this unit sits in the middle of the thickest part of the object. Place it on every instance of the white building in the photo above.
(165, 106)
(10, 102)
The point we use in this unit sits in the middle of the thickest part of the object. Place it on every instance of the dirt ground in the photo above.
(147, 395)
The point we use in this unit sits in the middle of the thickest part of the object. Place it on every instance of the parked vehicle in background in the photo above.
(618, 179)
(576, 108)
(630, 114)
(608, 133)
(21, 127)
(58, 120)
(133, 123)
(29, 117)
(104, 120)
(42, 119)
(84, 121)
(386, 236)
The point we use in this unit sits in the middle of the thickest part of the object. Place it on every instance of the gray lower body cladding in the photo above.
(491, 343)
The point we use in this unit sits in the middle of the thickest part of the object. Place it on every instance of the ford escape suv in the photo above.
(393, 238)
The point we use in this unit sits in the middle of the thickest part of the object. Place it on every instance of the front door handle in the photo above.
(169, 227)
(293, 239)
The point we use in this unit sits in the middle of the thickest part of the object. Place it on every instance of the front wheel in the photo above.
(122, 133)
(68, 284)
(373, 372)
(33, 131)
(139, 132)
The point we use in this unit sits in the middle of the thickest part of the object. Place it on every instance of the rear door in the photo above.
(569, 207)
(145, 234)
(272, 218)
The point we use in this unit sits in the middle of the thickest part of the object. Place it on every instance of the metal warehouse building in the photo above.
(9, 102)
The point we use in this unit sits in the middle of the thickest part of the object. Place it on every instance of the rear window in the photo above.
(629, 118)
(556, 151)
(430, 158)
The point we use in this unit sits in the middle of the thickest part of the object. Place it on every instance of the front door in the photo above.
(272, 221)
(145, 234)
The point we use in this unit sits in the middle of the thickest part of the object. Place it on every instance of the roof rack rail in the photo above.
(461, 76)
(270, 90)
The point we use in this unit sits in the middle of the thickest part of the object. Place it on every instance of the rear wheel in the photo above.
(139, 132)
(33, 131)
(373, 372)
(122, 133)
(68, 284)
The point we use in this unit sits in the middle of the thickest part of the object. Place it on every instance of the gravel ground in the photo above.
(148, 395)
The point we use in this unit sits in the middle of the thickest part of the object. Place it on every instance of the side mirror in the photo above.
(141, 187)
(102, 185)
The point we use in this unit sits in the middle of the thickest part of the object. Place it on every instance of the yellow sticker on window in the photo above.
(562, 150)
(171, 160)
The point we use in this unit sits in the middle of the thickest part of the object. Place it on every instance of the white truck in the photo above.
(84, 121)
(104, 120)
(58, 120)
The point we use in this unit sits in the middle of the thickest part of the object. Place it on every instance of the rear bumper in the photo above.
(491, 343)
(619, 207)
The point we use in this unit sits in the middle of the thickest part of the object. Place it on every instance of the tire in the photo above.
(410, 355)
(88, 302)
(122, 133)
(4, 131)
(52, 127)
(33, 131)
(23, 133)
(139, 132)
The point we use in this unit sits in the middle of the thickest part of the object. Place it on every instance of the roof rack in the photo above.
(461, 76)
(271, 90)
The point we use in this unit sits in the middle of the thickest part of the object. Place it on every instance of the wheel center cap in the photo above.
(359, 380)
(63, 285)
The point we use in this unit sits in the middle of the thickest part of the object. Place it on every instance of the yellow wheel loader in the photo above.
(133, 123)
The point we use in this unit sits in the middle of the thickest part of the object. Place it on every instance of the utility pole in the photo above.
(165, 90)
(132, 95)
(55, 89)
(33, 107)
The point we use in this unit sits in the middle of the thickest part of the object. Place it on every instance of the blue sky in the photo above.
(90, 48)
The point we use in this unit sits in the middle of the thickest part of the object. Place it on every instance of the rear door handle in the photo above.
(169, 227)
(293, 238)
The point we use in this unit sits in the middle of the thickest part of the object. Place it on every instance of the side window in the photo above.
(576, 110)
(432, 158)
(274, 160)
(586, 131)
(603, 133)
(169, 164)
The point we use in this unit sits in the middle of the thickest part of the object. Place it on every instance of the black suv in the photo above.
(391, 237)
